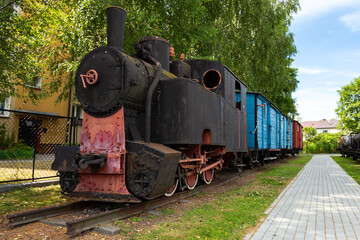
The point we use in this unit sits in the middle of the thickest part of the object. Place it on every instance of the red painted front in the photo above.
(104, 136)
(297, 135)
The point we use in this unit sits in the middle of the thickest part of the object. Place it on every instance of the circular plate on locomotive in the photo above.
(99, 80)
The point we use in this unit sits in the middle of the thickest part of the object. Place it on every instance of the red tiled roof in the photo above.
(322, 124)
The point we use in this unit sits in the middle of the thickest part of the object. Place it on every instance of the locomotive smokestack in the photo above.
(115, 26)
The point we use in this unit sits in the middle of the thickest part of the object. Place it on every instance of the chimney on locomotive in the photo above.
(115, 26)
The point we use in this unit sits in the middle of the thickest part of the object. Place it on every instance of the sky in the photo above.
(327, 37)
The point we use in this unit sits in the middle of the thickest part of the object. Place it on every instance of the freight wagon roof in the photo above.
(298, 122)
(259, 93)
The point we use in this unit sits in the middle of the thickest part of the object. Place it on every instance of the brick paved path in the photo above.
(322, 202)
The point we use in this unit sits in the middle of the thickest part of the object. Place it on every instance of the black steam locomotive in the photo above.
(151, 125)
(349, 146)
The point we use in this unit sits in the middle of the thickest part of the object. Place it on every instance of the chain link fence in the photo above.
(27, 142)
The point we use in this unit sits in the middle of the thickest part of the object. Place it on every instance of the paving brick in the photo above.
(322, 202)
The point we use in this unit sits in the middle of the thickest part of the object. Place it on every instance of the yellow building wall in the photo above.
(47, 105)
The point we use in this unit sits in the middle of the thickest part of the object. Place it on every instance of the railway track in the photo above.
(78, 226)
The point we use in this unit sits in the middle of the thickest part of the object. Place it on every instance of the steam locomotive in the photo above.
(153, 125)
(349, 146)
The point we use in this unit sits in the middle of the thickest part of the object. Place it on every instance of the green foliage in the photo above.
(250, 36)
(349, 106)
(19, 151)
(6, 139)
(309, 133)
(320, 143)
(24, 39)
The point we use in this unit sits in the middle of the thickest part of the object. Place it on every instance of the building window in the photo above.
(35, 83)
(4, 105)
(325, 131)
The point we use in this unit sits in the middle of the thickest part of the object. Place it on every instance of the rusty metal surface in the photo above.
(81, 225)
(104, 136)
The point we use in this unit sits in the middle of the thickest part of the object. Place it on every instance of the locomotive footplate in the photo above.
(151, 169)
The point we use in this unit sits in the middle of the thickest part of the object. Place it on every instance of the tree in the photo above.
(251, 37)
(27, 30)
(258, 47)
(349, 106)
(309, 133)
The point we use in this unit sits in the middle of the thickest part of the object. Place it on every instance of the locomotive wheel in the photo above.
(208, 176)
(173, 188)
(191, 180)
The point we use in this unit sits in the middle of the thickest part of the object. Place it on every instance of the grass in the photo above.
(22, 169)
(350, 166)
(30, 198)
(233, 213)
(168, 211)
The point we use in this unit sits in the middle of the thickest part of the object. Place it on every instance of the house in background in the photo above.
(323, 126)
(41, 126)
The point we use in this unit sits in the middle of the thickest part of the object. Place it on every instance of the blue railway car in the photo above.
(269, 132)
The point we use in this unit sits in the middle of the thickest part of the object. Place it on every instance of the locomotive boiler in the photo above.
(151, 124)
(349, 145)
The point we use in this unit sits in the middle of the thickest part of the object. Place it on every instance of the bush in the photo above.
(322, 143)
(6, 140)
(19, 151)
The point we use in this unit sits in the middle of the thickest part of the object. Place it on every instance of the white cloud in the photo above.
(330, 83)
(352, 21)
(314, 104)
(354, 75)
(311, 8)
(312, 71)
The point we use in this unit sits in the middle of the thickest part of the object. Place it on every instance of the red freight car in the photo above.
(297, 137)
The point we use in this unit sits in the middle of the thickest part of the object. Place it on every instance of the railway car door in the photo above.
(273, 133)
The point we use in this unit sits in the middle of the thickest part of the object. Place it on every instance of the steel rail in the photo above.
(84, 224)
(78, 226)
(22, 218)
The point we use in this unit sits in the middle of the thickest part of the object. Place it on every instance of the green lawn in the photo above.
(231, 214)
(30, 198)
(350, 166)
